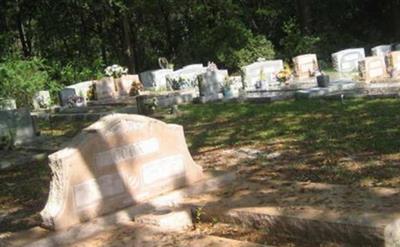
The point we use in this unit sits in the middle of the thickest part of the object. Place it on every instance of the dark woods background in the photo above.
(72, 40)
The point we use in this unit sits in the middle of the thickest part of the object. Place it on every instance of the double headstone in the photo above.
(155, 79)
(373, 68)
(120, 161)
(260, 75)
(305, 66)
(346, 61)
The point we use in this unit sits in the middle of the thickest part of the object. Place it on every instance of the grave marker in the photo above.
(188, 74)
(346, 61)
(106, 89)
(373, 68)
(155, 78)
(394, 64)
(305, 65)
(117, 162)
(124, 84)
(41, 100)
(259, 75)
(381, 50)
(17, 126)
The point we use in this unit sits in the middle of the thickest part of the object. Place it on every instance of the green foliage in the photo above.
(256, 47)
(20, 79)
(74, 72)
(295, 42)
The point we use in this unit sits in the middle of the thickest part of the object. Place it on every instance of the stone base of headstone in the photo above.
(211, 98)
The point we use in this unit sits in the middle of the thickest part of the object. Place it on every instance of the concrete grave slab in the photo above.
(346, 61)
(119, 161)
(305, 65)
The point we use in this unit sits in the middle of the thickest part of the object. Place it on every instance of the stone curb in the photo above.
(89, 229)
(272, 219)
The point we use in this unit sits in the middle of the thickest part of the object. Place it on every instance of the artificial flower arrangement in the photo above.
(181, 82)
(285, 74)
(115, 71)
(136, 88)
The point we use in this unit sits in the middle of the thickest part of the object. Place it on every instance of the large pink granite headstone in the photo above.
(117, 162)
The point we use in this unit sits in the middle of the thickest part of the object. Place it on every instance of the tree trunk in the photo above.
(304, 14)
(21, 33)
(128, 47)
(396, 18)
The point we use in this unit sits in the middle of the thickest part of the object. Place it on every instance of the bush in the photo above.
(295, 42)
(21, 79)
(256, 47)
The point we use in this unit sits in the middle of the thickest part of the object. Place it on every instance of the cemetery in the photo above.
(202, 138)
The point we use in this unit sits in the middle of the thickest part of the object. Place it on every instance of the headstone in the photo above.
(259, 75)
(155, 78)
(124, 84)
(394, 64)
(306, 65)
(41, 100)
(106, 89)
(372, 68)
(17, 125)
(8, 104)
(188, 75)
(381, 50)
(65, 94)
(79, 89)
(211, 83)
(346, 61)
(120, 161)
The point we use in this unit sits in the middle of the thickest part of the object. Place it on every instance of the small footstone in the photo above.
(168, 220)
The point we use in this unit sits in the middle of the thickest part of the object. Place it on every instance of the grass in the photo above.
(356, 143)
(321, 140)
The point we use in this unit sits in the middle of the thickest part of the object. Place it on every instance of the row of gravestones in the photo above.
(103, 89)
(256, 76)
